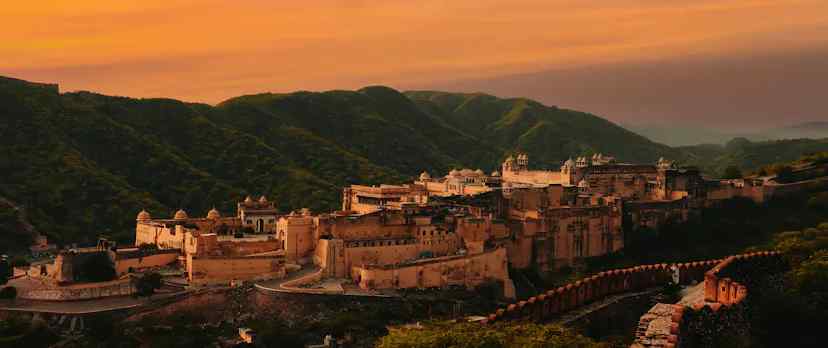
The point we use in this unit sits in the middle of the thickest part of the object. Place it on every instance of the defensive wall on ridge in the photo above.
(723, 308)
(726, 283)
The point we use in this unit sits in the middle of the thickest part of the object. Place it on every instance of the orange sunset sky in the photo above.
(627, 60)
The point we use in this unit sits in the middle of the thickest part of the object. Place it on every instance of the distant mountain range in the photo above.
(683, 135)
(82, 164)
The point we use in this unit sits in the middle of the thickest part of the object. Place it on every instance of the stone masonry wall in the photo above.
(722, 310)
(88, 291)
(573, 295)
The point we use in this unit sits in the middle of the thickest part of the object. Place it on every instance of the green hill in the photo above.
(747, 155)
(547, 133)
(83, 164)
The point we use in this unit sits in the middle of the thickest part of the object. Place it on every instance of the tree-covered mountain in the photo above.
(748, 155)
(82, 164)
(549, 134)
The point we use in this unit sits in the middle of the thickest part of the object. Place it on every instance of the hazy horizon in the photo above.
(726, 65)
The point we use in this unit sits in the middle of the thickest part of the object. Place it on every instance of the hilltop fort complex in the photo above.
(466, 229)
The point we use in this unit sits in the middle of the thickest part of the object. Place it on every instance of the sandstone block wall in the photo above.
(87, 291)
(722, 309)
(222, 270)
(122, 266)
(469, 271)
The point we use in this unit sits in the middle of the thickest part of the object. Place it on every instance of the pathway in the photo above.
(578, 313)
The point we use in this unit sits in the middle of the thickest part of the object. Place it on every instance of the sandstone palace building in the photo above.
(466, 228)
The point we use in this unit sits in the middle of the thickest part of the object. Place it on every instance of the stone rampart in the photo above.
(224, 270)
(88, 291)
(129, 263)
(597, 287)
(721, 309)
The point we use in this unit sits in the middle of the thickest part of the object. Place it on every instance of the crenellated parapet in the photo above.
(597, 287)
(725, 288)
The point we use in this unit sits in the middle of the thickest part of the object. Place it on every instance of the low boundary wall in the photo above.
(89, 291)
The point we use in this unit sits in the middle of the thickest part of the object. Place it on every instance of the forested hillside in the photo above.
(549, 134)
(82, 164)
(747, 155)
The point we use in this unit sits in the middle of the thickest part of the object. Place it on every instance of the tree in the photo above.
(819, 201)
(148, 247)
(6, 271)
(506, 334)
(8, 293)
(732, 172)
(97, 268)
(148, 283)
(784, 174)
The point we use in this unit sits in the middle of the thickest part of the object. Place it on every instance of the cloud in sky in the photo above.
(210, 50)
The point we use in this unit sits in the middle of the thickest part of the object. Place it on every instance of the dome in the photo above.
(248, 200)
(569, 162)
(510, 159)
(495, 173)
(425, 176)
(454, 172)
(466, 172)
(479, 172)
(213, 214)
(263, 199)
(180, 215)
(143, 215)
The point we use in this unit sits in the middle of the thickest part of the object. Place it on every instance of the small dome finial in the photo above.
(213, 214)
(143, 215)
(180, 215)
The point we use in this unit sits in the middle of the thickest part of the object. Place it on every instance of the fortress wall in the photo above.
(367, 227)
(240, 248)
(552, 302)
(520, 252)
(218, 270)
(122, 266)
(469, 271)
(796, 187)
(87, 291)
(381, 255)
(532, 176)
(726, 289)
(473, 230)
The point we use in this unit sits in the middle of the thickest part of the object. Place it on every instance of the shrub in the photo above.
(97, 268)
(6, 271)
(8, 293)
(148, 283)
(148, 247)
(819, 201)
(506, 334)
(19, 261)
(732, 172)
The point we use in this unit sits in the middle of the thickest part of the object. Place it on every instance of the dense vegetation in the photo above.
(80, 165)
(747, 156)
(471, 335)
(793, 312)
